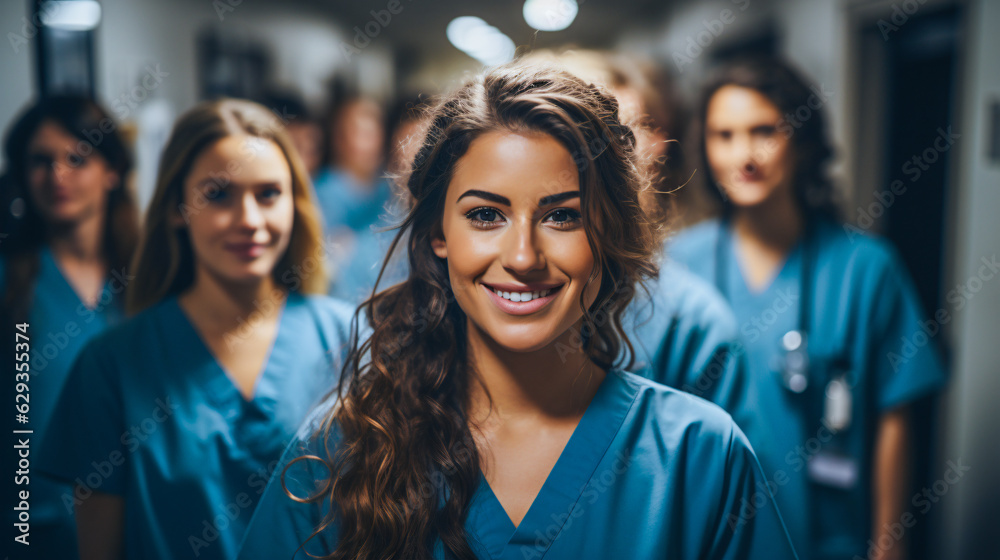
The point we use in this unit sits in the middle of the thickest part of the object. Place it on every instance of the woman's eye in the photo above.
(484, 216)
(215, 194)
(766, 131)
(564, 217)
(270, 194)
(75, 161)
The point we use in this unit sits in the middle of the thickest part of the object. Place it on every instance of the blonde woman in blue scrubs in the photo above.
(823, 309)
(170, 424)
(488, 416)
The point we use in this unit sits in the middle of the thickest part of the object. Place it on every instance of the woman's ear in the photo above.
(112, 181)
(440, 246)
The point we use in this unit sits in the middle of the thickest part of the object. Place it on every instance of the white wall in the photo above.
(973, 431)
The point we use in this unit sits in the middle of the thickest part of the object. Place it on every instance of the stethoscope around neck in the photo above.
(794, 367)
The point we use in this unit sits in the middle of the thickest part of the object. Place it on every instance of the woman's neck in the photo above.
(80, 241)
(773, 225)
(222, 306)
(556, 382)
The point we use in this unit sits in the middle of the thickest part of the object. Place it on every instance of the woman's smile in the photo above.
(521, 299)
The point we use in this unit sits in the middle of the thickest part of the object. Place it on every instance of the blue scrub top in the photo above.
(357, 219)
(149, 414)
(357, 258)
(684, 335)
(866, 320)
(649, 472)
(59, 326)
(346, 203)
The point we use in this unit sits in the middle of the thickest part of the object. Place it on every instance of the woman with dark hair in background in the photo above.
(824, 311)
(488, 416)
(63, 268)
(171, 423)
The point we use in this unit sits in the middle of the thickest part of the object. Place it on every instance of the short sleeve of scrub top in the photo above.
(148, 414)
(649, 472)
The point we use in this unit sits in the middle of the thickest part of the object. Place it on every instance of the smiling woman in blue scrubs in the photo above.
(63, 270)
(171, 423)
(486, 416)
(827, 313)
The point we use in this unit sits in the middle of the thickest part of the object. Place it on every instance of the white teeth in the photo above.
(521, 297)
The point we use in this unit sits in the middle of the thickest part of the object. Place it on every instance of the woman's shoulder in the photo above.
(678, 414)
(858, 256)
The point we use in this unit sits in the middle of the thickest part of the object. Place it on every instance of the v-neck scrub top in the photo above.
(149, 414)
(865, 320)
(59, 324)
(649, 472)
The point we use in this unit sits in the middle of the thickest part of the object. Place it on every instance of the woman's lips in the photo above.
(522, 307)
(246, 250)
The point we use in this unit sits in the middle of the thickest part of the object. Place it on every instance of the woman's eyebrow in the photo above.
(557, 198)
(486, 196)
(544, 201)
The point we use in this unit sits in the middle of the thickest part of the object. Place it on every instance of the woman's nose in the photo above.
(522, 252)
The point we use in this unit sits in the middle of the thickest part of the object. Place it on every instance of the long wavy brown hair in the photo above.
(398, 444)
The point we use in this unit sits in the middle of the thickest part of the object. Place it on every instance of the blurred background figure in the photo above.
(351, 189)
(305, 132)
(824, 311)
(64, 267)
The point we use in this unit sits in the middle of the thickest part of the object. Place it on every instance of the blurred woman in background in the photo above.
(823, 309)
(171, 423)
(63, 267)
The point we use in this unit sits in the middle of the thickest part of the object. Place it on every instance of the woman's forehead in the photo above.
(520, 166)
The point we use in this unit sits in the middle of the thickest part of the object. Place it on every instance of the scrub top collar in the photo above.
(489, 523)
(220, 385)
(49, 268)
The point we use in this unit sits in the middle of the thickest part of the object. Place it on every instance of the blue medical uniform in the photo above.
(346, 203)
(150, 415)
(59, 326)
(865, 322)
(684, 336)
(649, 472)
(357, 219)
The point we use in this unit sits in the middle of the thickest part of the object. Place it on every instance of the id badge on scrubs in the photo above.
(833, 468)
